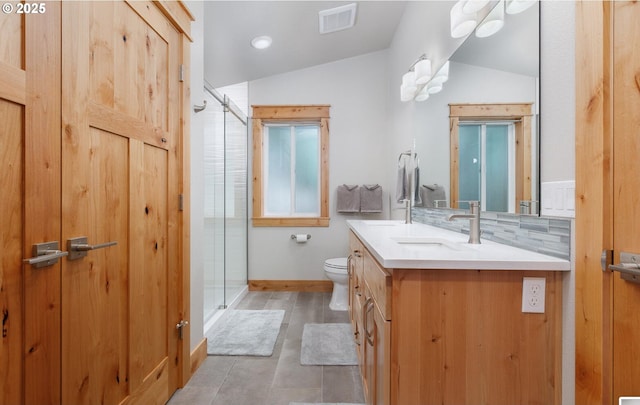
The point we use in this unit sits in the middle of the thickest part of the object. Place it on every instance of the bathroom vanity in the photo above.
(439, 321)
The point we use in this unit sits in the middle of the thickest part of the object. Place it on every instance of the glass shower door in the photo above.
(235, 201)
(225, 203)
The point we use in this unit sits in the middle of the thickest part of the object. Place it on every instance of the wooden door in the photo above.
(626, 196)
(29, 203)
(607, 146)
(120, 183)
(103, 157)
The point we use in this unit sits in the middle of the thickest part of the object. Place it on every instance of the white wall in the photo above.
(557, 149)
(197, 174)
(356, 92)
(557, 91)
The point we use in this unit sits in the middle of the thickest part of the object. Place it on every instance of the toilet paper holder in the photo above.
(294, 236)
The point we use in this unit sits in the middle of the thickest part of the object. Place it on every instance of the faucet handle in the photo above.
(474, 206)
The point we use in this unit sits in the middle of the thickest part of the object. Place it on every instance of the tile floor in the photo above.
(279, 379)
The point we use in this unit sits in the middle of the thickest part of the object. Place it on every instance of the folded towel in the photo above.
(348, 198)
(433, 196)
(370, 198)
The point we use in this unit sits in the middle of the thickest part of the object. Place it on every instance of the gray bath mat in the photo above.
(328, 344)
(245, 333)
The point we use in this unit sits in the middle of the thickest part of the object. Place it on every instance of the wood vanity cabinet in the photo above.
(369, 286)
(453, 336)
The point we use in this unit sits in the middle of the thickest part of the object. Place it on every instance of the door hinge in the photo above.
(180, 202)
(181, 73)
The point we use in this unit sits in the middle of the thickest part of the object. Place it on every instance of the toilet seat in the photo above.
(336, 265)
(336, 270)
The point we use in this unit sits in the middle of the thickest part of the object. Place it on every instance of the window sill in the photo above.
(290, 221)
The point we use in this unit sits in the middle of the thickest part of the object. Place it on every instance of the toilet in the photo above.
(336, 270)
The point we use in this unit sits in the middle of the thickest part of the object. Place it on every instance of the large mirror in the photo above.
(478, 138)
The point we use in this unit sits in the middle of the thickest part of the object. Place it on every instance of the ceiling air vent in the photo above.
(337, 19)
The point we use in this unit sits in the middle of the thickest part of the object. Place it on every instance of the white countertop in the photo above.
(418, 246)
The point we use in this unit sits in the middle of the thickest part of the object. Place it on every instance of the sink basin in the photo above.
(420, 240)
(381, 222)
(428, 242)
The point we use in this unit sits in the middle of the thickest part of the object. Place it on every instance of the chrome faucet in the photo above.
(407, 212)
(474, 221)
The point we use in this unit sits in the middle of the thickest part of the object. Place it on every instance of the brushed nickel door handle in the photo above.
(629, 267)
(45, 254)
(78, 247)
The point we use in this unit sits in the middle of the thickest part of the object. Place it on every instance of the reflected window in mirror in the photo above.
(487, 165)
(491, 154)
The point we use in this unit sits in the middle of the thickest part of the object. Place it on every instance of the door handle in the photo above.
(180, 326)
(78, 247)
(629, 267)
(369, 304)
(45, 254)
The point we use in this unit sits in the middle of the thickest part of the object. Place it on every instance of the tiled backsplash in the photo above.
(550, 236)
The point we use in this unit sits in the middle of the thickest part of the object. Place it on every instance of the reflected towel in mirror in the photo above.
(433, 195)
(406, 167)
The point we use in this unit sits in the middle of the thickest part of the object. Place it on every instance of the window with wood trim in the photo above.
(290, 165)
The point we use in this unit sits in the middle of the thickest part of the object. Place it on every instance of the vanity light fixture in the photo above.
(406, 94)
(434, 87)
(409, 81)
(442, 75)
(408, 88)
(414, 80)
(518, 6)
(423, 70)
(418, 83)
(462, 24)
(493, 22)
(472, 6)
(261, 42)
(422, 94)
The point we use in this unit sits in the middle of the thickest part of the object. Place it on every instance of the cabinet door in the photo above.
(368, 371)
(381, 359)
(358, 329)
(377, 354)
(355, 264)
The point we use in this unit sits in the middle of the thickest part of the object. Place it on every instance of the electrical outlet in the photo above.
(533, 294)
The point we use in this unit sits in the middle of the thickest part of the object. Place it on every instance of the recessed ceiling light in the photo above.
(261, 42)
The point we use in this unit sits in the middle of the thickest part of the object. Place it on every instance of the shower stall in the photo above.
(225, 204)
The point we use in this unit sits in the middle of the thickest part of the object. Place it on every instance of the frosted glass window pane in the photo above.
(469, 164)
(307, 198)
(497, 168)
(279, 171)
